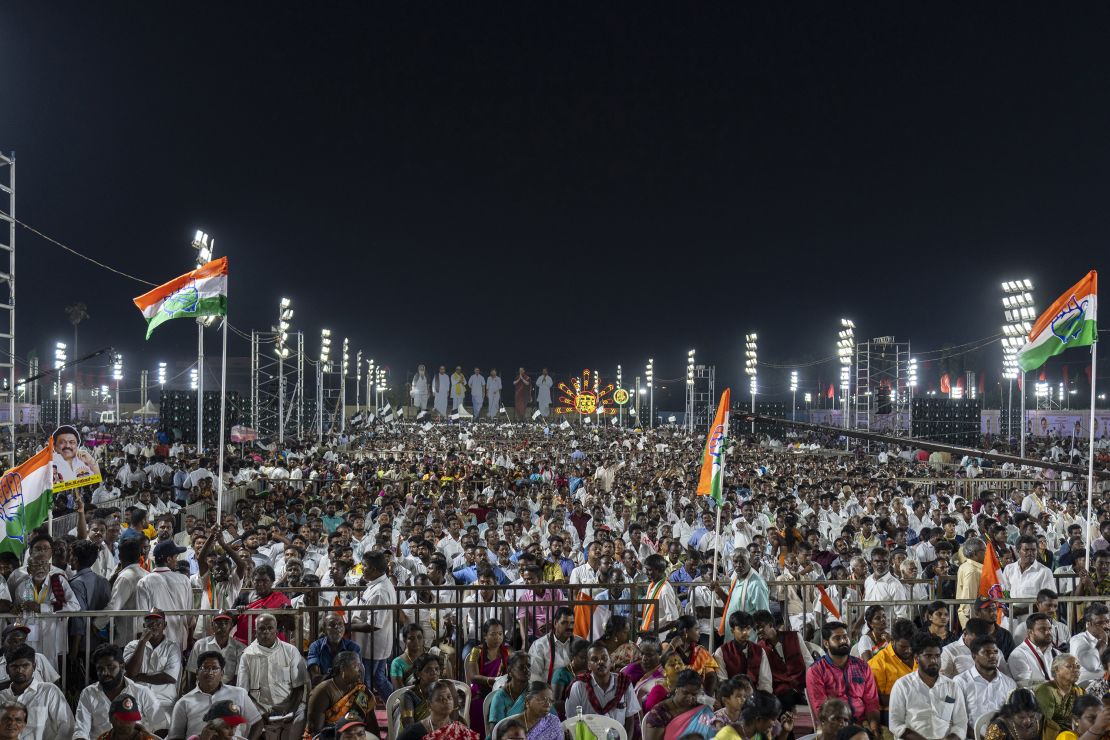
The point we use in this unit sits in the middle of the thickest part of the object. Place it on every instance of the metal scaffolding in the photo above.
(882, 390)
(277, 386)
(701, 398)
(7, 312)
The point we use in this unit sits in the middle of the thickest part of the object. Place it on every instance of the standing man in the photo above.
(167, 588)
(419, 389)
(379, 592)
(477, 385)
(544, 384)
(925, 704)
(493, 393)
(1027, 577)
(747, 593)
(522, 393)
(881, 585)
(441, 387)
(967, 577)
(458, 388)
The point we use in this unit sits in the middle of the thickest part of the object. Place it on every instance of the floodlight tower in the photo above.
(346, 358)
(358, 382)
(620, 407)
(751, 366)
(845, 348)
(281, 331)
(206, 249)
(650, 374)
(193, 379)
(117, 375)
(371, 385)
(1020, 313)
(162, 375)
(59, 364)
(690, 391)
(793, 395)
(324, 366)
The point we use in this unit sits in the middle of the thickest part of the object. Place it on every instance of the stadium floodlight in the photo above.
(162, 373)
(193, 379)
(845, 348)
(650, 375)
(1019, 312)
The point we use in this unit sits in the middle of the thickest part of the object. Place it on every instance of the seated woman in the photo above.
(263, 598)
(762, 717)
(443, 721)
(539, 719)
(341, 695)
(877, 635)
(1019, 718)
(415, 703)
(509, 699)
(646, 672)
(487, 661)
(681, 713)
(566, 675)
(936, 622)
(673, 664)
(622, 651)
(1089, 719)
(1057, 697)
(400, 670)
(685, 642)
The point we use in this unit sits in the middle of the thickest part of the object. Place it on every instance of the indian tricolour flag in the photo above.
(712, 478)
(202, 292)
(26, 495)
(1069, 322)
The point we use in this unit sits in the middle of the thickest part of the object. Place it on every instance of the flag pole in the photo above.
(717, 546)
(1091, 450)
(223, 421)
(1021, 385)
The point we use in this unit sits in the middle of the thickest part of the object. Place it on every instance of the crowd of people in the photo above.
(492, 581)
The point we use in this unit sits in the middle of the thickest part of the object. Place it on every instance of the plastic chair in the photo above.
(981, 724)
(486, 703)
(599, 725)
(465, 689)
(391, 705)
(496, 733)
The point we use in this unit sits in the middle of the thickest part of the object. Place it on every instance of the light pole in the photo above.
(345, 359)
(59, 365)
(162, 375)
(650, 374)
(808, 399)
(620, 407)
(690, 391)
(358, 382)
(117, 375)
(793, 395)
(205, 249)
(845, 346)
(751, 366)
(285, 315)
(321, 368)
(371, 384)
(1019, 312)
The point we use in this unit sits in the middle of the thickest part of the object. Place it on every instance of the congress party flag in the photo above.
(990, 580)
(1069, 322)
(711, 481)
(26, 496)
(202, 292)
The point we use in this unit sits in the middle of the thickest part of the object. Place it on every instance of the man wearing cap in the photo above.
(212, 699)
(13, 636)
(154, 661)
(222, 642)
(352, 729)
(124, 717)
(97, 700)
(48, 714)
(125, 590)
(167, 589)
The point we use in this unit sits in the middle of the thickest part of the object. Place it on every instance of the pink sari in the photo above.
(244, 630)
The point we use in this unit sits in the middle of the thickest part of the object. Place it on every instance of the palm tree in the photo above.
(76, 313)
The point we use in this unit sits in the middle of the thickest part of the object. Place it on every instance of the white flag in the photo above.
(536, 414)
(613, 420)
(565, 424)
(455, 416)
(585, 420)
(427, 426)
(421, 415)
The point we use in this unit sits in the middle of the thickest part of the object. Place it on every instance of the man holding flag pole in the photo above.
(202, 292)
(1071, 321)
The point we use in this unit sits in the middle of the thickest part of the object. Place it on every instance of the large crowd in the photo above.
(486, 580)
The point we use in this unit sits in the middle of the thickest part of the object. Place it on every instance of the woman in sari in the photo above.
(761, 718)
(509, 699)
(539, 720)
(400, 670)
(1020, 718)
(1089, 720)
(877, 636)
(660, 690)
(566, 675)
(486, 663)
(1057, 697)
(442, 722)
(622, 651)
(685, 642)
(415, 703)
(262, 598)
(646, 672)
(936, 622)
(681, 713)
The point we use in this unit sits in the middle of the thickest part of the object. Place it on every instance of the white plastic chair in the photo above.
(391, 708)
(465, 689)
(486, 703)
(981, 724)
(599, 725)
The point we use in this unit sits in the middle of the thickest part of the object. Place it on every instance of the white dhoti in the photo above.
(441, 404)
(494, 404)
(476, 400)
(420, 400)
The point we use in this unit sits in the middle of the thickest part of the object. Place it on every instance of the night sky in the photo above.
(564, 184)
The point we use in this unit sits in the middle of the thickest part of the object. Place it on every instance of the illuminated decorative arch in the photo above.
(585, 397)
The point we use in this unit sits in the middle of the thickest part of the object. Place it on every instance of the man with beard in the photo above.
(96, 700)
(191, 709)
(441, 389)
(985, 688)
(842, 676)
(741, 657)
(222, 642)
(49, 715)
(747, 593)
(603, 692)
(925, 704)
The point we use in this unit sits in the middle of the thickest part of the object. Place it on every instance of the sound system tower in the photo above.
(776, 409)
(947, 420)
(49, 414)
(178, 415)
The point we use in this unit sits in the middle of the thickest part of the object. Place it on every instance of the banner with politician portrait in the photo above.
(74, 465)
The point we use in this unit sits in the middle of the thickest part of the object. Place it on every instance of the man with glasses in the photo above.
(1089, 645)
(190, 710)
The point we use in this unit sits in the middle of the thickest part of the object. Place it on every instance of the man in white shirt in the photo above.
(154, 661)
(984, 686)
(544, 384)
(1031, 661)
(1088, 646)
(881, 585)
(190, 710)
(493, 393)
(612, 694)
(106, 491)
(275, 675)
(477, 385)
(379, 591)
(166, 588)
(1027, 577)
(91, 719)
(924, 703)
(552, 651)
(48, 713)
(1046, 603)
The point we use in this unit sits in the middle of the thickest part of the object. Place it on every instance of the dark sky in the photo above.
(564, 184)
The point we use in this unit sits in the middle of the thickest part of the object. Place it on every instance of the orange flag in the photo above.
(990, 580)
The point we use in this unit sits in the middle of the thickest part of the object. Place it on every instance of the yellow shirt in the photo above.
(887, 668)
(967, 586)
